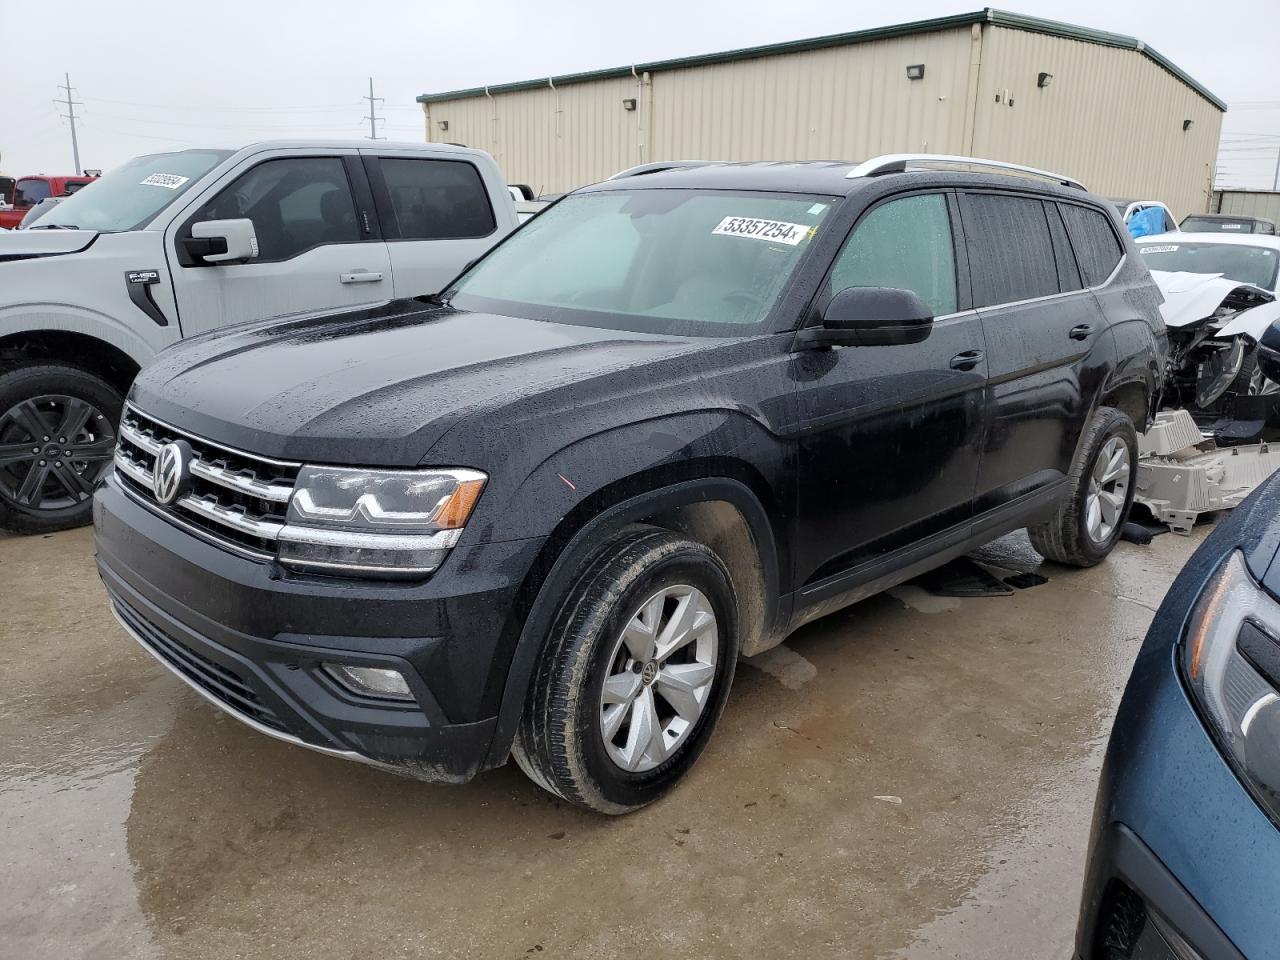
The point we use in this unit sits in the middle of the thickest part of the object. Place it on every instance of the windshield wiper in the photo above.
(433, 299)
(54, 226)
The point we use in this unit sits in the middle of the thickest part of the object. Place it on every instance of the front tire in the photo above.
(57, 439)
(1087, 523)
(634, 675)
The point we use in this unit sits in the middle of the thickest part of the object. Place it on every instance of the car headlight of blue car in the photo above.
(1231, 661)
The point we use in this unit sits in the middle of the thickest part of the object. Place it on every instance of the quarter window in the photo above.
(1097, 249)
(1010, 249)
(904, 243)
(437, 199)
(295, 204)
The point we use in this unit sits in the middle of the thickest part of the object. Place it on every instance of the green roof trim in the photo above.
(999, 18)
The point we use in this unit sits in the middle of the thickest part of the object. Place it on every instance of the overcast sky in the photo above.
(155, 76)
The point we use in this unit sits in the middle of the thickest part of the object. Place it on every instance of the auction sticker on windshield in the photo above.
(1152, 248)
(169, 180)
(778, 231)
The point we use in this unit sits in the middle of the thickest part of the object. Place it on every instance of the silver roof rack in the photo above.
(659, 166)
(898, 162)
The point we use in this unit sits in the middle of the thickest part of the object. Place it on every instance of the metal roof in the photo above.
(988, 15)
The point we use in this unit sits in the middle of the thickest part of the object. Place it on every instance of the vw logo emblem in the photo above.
(173, 471)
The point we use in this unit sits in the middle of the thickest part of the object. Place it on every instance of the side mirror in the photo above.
(870, 317)
(219, 241)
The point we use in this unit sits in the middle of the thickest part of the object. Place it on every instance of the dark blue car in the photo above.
(1185, 852)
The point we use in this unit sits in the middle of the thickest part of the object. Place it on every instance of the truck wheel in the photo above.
(57, 439)
(634, 674)
(1087, 523)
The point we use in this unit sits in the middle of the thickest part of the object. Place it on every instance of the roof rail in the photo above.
(897, 163)
(659, 166)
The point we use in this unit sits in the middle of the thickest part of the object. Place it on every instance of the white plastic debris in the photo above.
(1181, 474)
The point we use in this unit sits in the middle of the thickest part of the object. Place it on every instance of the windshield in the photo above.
(693, 262)
(130, 196)
(1243, 264)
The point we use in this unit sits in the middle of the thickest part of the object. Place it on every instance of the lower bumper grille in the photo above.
(223, 684)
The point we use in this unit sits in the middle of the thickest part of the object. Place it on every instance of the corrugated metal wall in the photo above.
(839, 103)
(551, 139)
(1248, 203)
(1110, 117)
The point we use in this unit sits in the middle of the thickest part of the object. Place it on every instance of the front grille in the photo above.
(236, 498)
(224, 685)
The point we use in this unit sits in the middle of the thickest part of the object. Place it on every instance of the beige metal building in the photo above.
(1100, 107)
(1248, 203)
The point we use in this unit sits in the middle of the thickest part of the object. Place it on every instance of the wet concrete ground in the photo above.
(910, 778)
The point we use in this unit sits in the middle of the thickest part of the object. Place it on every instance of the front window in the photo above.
(695, 262)
(1238, 262)
(130, 196)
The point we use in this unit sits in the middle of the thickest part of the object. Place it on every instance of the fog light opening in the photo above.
(378, 682)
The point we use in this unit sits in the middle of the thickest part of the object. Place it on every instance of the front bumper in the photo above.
(252, 638)
(1178, 842)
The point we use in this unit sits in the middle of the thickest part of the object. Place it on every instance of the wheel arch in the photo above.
(714, 502)
(70, 347)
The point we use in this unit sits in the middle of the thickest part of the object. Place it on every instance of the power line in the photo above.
(373, 118)
(287, 108)
(71, 116)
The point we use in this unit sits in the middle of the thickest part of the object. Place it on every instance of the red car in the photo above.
(31, 190)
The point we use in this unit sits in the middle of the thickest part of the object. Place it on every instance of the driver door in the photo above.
(318, 244)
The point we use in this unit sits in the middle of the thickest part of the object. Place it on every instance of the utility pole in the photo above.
(1275, 182)
(372, 117)
(71, 116)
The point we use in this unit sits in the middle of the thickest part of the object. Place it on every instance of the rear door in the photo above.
(1041, 328)
(437, 216)
(890, 436)
(317, 237)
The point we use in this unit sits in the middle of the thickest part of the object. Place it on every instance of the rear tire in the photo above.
(598, 729)
(1087, 523)
(57, 437)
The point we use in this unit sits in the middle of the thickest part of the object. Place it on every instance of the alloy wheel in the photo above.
(53, 451)
(659, 679)
(1108, 490)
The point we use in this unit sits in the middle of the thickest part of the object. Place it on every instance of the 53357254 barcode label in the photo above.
(777, 231)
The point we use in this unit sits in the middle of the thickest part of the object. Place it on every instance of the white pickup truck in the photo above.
(176, 244)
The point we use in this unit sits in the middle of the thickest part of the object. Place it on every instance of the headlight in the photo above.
(1232, 662)
(376, 522)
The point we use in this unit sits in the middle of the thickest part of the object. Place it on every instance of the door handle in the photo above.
(360, 276)
(1081, 331)
(967, 360)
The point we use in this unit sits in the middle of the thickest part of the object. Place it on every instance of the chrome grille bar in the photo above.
(249, 486)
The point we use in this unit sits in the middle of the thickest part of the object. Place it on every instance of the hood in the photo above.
(1192, 297)
(29, 244)
(374, 387)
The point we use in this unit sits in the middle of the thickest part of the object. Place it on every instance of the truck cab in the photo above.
(176, 244)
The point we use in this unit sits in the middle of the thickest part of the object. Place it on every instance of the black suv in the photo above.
(669, 420)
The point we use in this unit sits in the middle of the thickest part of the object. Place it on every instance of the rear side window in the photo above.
(904, 243)
(437, 199)
(295, 204)
(31, 192)
(1010, 250)
(1098, 250)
